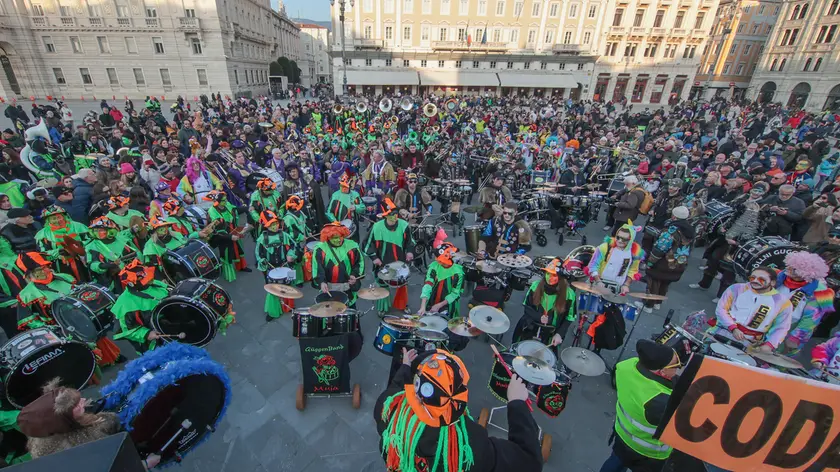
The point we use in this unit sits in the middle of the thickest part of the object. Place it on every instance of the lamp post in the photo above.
(341, 4)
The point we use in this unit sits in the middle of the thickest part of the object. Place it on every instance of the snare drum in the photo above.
(85, 314)
(397, 274)
(425, 233)
(304, 325)
(724, 351)
(387, 335)
(197, 215)
(342, 323)
(195, 259)
(537, 350)
(195, 307)
(281, 275)
(471, 272)
(682, 342)
(446, 192)
(429, 339)
(717, 214)
(350, 225)
(370, 204)
(519, 279)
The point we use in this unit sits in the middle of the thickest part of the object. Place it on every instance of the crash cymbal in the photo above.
(472, 209)
(776, 359)
(647, 296)
(433, 322)
(489, 267)
(462, 327)
(517, 261)
(401, 321)
(373, 293)
(583, 361)
(327, 309)
(283, 291)
(615, 299)
(587, 287)
(533, 370)
(596, 193)
(489, 319)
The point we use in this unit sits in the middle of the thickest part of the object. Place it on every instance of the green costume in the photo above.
(259, 203)
(271, 251)
(132, 309)
(388, 245)
(444, 284)
(106, 258)
(295, 224)
(230, 251)
(560, 321)
(336, 265)
(36, 298)
(631, 423)
(153, 250)
(49, 239)
(183, 225)
(340, 204)
(122, 221)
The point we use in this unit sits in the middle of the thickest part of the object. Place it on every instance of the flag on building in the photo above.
(469, 40)
(484, 37)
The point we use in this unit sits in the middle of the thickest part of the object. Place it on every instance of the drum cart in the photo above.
(323, 374)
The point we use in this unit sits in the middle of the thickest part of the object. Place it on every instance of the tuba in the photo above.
(406, 104)
(430, 109)
(361, 107)
(337, 109)
(395, 120)
(385, 105)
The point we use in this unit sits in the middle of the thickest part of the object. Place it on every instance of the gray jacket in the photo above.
(628, 203)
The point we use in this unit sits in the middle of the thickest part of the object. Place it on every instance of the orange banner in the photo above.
(749, 419)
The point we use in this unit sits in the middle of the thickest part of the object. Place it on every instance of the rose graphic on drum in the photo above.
(326, 369)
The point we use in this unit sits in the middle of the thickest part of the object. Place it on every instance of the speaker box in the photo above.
(112, 454)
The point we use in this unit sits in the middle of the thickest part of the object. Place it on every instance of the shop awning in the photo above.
(457, 78)
(355, 77)
(547, 80)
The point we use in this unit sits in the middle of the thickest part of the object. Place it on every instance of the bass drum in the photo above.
(769, 251)
(197, 215)
(195, 259)
(169, 400)
(252, 179)
(31, 359)
(195, 307)
(577, 260)
(717, 214)
(85, 314)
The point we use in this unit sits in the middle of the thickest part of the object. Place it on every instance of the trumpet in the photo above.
(430, 109)
(385, 105)
(406, 104)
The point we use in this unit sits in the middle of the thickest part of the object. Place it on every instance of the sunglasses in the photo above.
(508, 213)
(412, 181)
(755, 278)
(621, 238)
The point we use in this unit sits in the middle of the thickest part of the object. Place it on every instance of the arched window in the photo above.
(832, 9)
(782, 65)
(773, 65)
(807, 65)
(795, 13)
(817, 64)
(804, 11)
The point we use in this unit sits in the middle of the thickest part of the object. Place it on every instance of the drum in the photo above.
(499, 377)
(31, 359)
(195, 307)
(351, 225)
(472, 234)
(304, 325)
(681, 341)
(577, 260)
(342, 323)
(767, 251)
(333, 296)
(724, 351)
(196, 259)
(519, 279)
(589, 303)
(197, 215)
(169, 400)
(425, 234)
(464, 191)
(540, 225)
(433, 189)
(85, 314)
(396, 273)
(429, 339)
(471, 272)
(281, 275)
(370, 204)
(446, 192)
(717, 214)
(388, 334)
(252, 179)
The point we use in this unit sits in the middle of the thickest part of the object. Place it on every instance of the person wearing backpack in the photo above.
(669, 255)
(629, 203)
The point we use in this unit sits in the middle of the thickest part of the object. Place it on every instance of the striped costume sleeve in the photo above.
(780, 326)
(820, 304)
(595, 262)
(824, 352)
(724, 319)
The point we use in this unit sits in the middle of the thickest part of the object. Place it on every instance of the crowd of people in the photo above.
(331, 188)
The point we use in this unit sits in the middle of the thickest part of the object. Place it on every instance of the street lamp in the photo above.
(341, 4)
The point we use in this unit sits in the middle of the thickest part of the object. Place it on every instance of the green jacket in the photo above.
(272, 249)
(547, 303)
(389, 245)
(444, 283)
(127, 306)
(122, 221)
(154, 249)
(100, 253)
(340, 204)
(259, 203)
(48, 239)
(35, 299)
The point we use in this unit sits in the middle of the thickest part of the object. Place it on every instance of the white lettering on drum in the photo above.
(32, 367)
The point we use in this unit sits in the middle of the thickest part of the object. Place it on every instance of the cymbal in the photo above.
(583, 361)
(283, 291)
(596, 193)
(460, 181)
(489, 319)
(431, 335)
(373, 293)
(514, 260)
(401, 321)
(647, 296)
(472, 209)
(533, 370)
(433, 322)
(615, 299)
(586, 287)
(776, 359)
(489, 267)
(463, 327)
(327, 309)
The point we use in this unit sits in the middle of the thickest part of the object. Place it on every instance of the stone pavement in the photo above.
(264, 432)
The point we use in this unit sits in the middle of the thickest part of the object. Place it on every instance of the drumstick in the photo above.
(179, 335)
(507, 369)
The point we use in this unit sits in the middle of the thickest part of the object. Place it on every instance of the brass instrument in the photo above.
(385, 105)
(406, 104)
(451, 105)
(395, 119)
(337, 109)
(430, 109)
(361, 107)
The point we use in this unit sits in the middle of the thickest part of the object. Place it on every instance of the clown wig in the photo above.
(190, 172)
(332, 230)
(807, 265)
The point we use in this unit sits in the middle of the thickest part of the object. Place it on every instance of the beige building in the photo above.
(315, 39)
(800, 66)
(737, 39)
(132, 48)
(650, 49)
(468, 46)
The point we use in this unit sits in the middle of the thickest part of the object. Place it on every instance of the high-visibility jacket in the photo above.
(634, 392)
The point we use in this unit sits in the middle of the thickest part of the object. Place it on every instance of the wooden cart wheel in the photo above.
(483, 417)
(357, 396)
(546, 447)
(300, 398)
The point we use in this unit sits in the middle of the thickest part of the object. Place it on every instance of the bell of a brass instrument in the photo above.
(406, 104)
(361, 107)
(337, 109)
(395, 120)
(451, 105)
(385, 105)
(430, 109)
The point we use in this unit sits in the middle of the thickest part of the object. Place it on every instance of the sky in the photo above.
(318, 10)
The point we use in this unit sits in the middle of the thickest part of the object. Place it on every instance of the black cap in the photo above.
(652, 355)
(8, 130)
(18, 213)
(59, 190)
(498, 175)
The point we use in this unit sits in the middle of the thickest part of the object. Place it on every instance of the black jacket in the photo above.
(519, 453)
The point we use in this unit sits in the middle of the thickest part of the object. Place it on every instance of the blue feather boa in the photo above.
(183, 360)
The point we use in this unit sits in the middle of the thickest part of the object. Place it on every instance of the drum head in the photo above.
(75, 318)
(310, 246)
(431, 335)
(72, 361)
(177, 314)
(281, 273)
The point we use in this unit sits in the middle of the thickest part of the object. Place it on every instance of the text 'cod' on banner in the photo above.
(749, 419)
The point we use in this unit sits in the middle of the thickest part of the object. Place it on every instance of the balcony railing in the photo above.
(566, 48)
(39, 21)
(96, 21)
(659, 31)
(462, 45)
(188, 23)
(618, 30)
(638, 31)
(367, 43)
(68, 21)
(678, 32)
(124, 22)
(152, 22)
